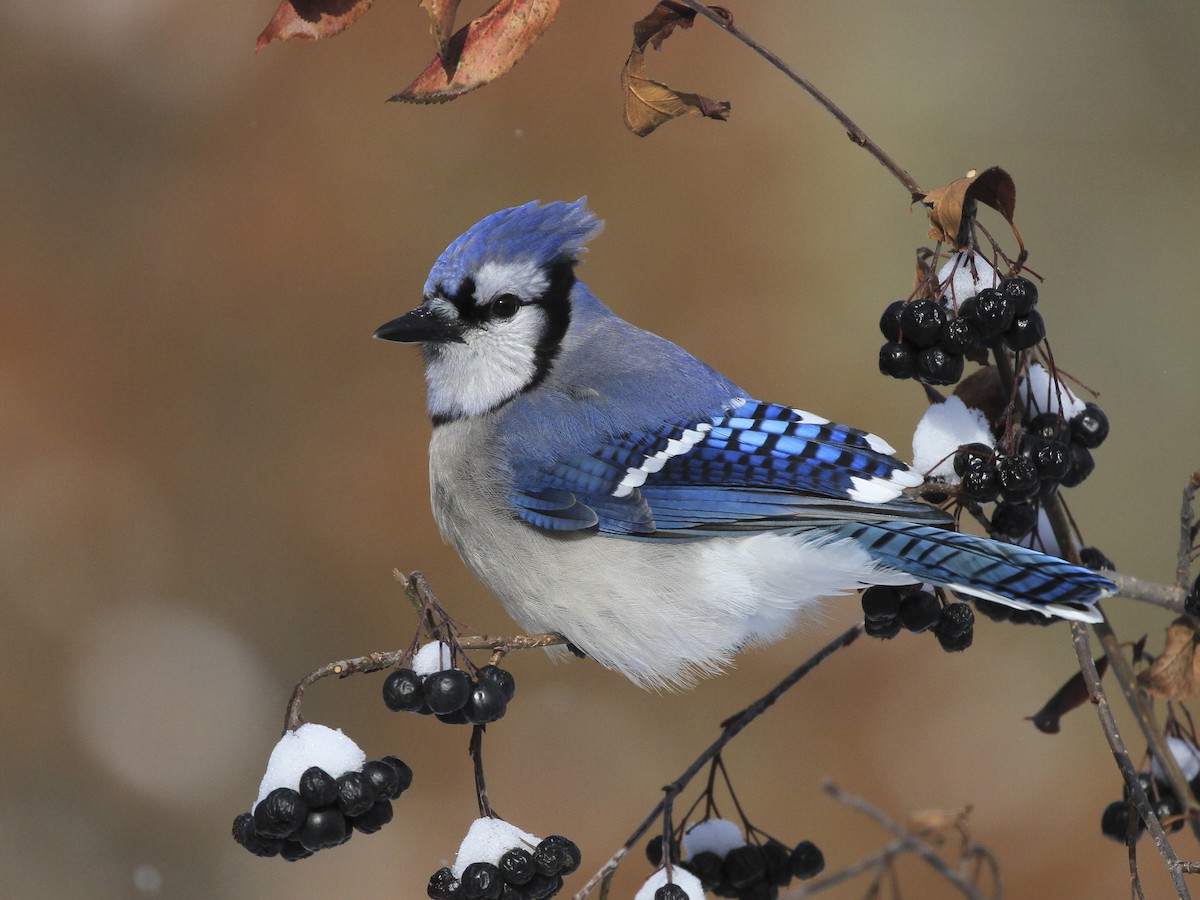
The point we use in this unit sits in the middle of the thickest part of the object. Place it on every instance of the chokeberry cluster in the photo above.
(929, 341)
(323, 811)
(1169, 809)
(889, 609)
(518, 874)
(749, 871)
(453, 695)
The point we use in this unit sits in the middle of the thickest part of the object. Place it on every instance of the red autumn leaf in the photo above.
(441, 14)
(952, 208)
(307, 20)
(482, 51)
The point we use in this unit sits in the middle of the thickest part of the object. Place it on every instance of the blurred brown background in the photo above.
(210, 470)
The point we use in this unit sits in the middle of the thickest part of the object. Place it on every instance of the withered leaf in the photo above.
(650, 103)
(1071, 695)
(441, 14)
(952, 208)
(307, 20)
(984, 390)
(1175, 673)
(664, 19)
(482, 51)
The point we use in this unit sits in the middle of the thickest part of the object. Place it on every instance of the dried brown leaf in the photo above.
(952, 208)
(441, 14)
(1070, 696)
(664, 19)
(1175, 673)
(307, 20)
(650, 103)
(482, 51)
(984, 390)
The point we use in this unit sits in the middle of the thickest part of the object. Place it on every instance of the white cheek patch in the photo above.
(635, 476)
(490, 367)
(524, 278)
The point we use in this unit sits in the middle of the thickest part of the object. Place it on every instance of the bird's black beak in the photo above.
(421, 325)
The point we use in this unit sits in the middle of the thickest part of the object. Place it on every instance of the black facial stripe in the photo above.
(469, 313)
(556, 303)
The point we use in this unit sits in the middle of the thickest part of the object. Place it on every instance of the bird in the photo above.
(606, 485)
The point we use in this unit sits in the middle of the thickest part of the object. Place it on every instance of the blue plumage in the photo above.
(607, 485)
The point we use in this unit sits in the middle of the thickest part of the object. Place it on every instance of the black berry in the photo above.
(921, 321)
(670, 892)
(1082, 465)
(481, 881)
(1021, 292)
(402, 691)
(881, 601)
(1025, 331)
(1090, 427)
(1018, 477)
(1048, 425)
(403, 773)
(1191, 603)
(355, 794)
(971, 456)
(502, 678)
(744, 866)
(443, 885)
(884, 629)
(318, 787)
(807, 860)
(706, 866)
(936, 366)
(516, 865)
(994, 312)
(1014, 520)
(889, 322)
(1095, 560)
(383, 778)
(961, 336)
(486, 703)
(569, 849)
(777, 859)
(920, 611)
(324, 828)
(374, 818)
(447, 691)
(981, 484)
(280, 814)
(1115, 821)
(897, 360)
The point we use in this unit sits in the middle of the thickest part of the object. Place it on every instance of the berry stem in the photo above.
(730, 728)
(853, 131)
(481, 792)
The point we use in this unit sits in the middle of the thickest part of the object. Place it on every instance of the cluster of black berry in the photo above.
(1118, 814)
(888, 609)
(748, 872)
(451, 694)
(324, 811)
(519, 874)
(927, 341)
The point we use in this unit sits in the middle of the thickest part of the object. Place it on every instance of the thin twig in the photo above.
(915, 843)
(1166, 596)
(1186, 537)
(853, 131)
(873, 862)
(1137, 795)
(730, 729)
(481, 792)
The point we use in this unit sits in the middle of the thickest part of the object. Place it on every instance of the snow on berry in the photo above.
(680, 877)
(487, 840)
(309, 745)
(1039, 393)
(943, 428)
(432, 657)
(965, 275)
(1187, 756)
(716, 835)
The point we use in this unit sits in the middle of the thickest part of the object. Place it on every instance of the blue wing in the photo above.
(759, 467)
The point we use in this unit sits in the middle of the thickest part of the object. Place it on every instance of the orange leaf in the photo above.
(1174, 674)
(482, 51)
(952, 208)
(307, 20)
(441, 12)
(650, 103)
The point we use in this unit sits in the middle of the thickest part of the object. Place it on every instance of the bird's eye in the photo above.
(505, 306)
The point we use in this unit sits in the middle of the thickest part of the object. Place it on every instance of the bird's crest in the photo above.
(534, 232)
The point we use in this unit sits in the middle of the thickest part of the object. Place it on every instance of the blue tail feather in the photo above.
(1004, 573)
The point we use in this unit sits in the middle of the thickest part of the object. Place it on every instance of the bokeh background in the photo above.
(210, 471)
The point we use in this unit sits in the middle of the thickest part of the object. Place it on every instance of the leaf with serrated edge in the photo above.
(482, 51)
(307, 20)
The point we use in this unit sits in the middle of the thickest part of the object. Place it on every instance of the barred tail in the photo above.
(1003, 573)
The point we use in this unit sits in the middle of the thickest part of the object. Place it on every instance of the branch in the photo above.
(853, 131)
(730, 729)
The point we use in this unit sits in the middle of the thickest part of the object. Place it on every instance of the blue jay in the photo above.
(606, 485)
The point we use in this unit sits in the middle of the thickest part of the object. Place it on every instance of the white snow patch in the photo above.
(1185, 754)
(309, 745)
(943, 428)
(959, 282)
(679, 876)
(1038, 391)
(489, 839)
(433, 657)
(718, 835)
